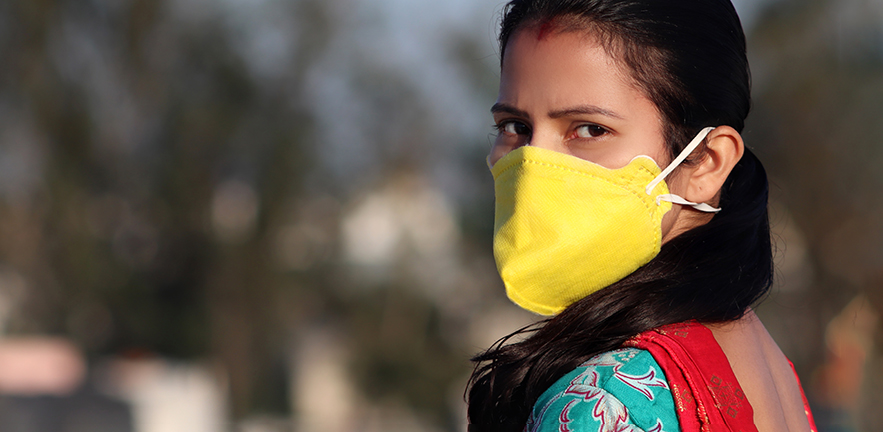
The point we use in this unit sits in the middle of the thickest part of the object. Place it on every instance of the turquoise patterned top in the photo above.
(619, 391)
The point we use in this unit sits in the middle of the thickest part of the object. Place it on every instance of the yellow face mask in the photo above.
(565, 227)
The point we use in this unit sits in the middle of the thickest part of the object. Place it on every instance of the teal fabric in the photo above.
(622, 391)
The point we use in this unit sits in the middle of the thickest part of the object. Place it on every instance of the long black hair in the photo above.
(688, 57)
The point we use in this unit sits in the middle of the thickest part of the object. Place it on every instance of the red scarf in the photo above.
(705, 390)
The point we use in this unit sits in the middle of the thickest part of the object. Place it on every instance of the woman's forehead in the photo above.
(563, 67)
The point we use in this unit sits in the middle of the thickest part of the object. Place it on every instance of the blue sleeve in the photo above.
(622, 390)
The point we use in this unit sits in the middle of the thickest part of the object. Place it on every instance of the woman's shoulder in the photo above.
(620, 390)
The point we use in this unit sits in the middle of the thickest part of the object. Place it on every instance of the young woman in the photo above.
(648, 273)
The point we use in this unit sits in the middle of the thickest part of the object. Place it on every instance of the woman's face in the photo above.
(563, 92)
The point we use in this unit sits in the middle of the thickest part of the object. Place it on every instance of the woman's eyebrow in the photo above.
(576, 110)
(583, 110)
(506, 108)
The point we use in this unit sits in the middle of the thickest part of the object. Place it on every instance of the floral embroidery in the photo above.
(657, 428)
(641, 383)
(586, 404)
(609, 411)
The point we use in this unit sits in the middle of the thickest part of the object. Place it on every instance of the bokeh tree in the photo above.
(175, 175)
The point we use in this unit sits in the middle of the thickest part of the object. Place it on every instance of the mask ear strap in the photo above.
(674, 164)
(677, 199)
(671, 167)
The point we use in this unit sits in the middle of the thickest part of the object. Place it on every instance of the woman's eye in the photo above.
(513, 128)
(590, 131)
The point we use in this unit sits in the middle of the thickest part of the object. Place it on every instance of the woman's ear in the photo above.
(724, 148)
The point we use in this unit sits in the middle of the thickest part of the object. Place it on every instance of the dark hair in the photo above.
(688, 57)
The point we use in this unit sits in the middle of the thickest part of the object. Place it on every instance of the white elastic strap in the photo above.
(677, 199)
(671, 167)
(674, 164)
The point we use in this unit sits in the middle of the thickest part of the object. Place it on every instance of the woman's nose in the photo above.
(542, 139)
(548, 139)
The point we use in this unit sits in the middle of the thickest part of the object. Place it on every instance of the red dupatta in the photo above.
(707, 396)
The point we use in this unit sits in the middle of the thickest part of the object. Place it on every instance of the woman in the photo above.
(628, 258)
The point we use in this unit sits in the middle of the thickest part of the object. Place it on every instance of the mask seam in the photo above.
(571, 170)
(536, 305)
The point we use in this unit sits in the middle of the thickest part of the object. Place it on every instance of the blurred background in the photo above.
(275, 215)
